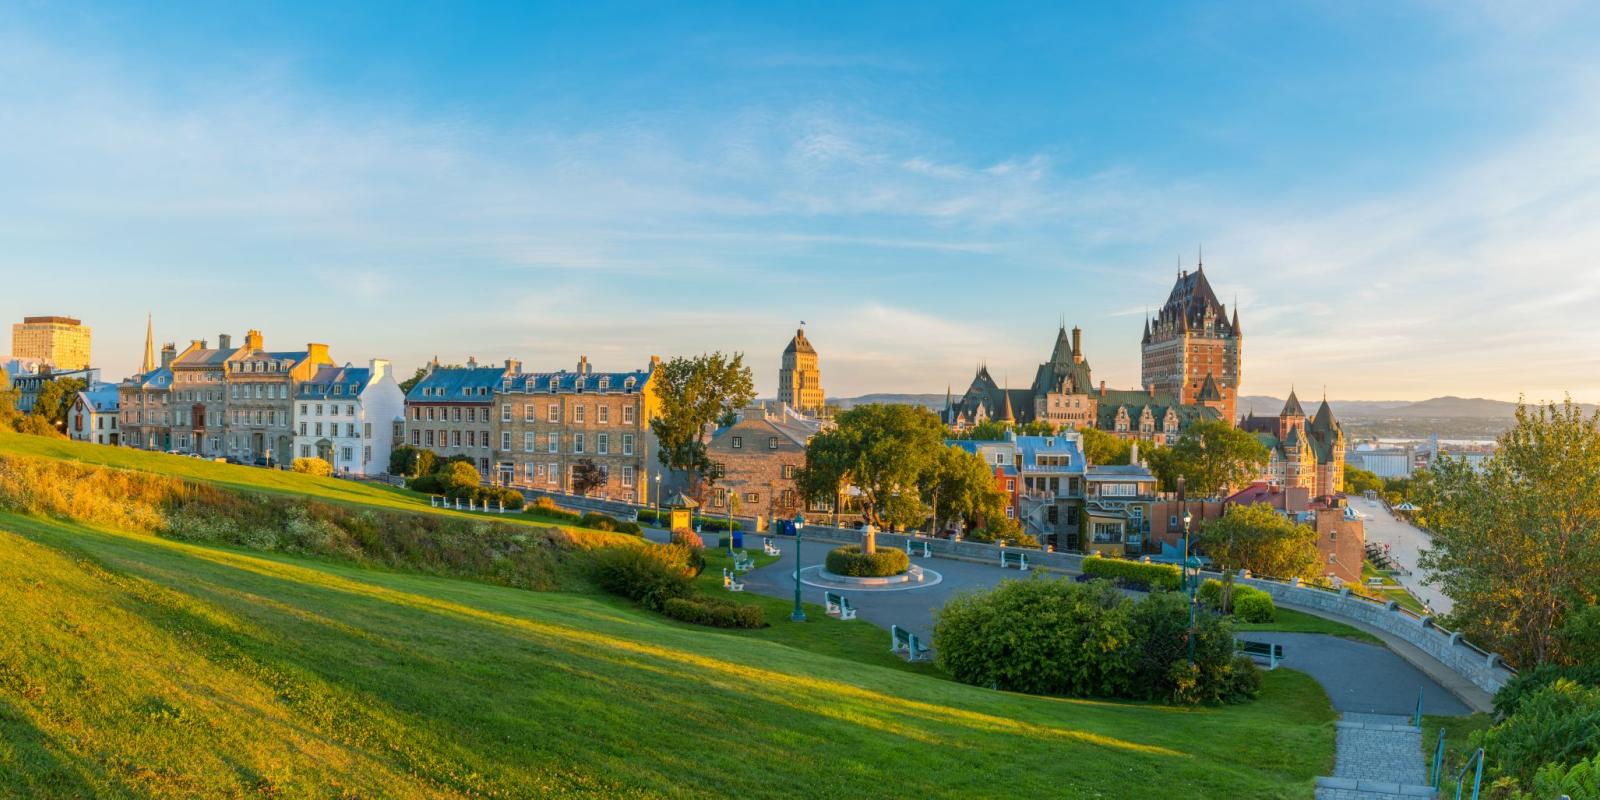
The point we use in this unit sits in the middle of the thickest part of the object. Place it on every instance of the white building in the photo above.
(1385, 462)
(346, 416)
(93, 417)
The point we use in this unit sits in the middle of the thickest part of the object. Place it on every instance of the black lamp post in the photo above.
(799, 615)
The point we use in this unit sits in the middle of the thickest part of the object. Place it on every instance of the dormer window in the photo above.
(627, 385)
(578, 384)
(605, 383)
(555, 383)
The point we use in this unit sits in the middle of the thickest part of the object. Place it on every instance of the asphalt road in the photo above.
(1405, 546)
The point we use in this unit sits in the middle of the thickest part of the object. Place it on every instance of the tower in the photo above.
(149, 364)
(799, 377)
(1191, 347)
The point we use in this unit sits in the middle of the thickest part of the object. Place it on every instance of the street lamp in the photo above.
(798, 615)
(658, 499)
(1187, 519)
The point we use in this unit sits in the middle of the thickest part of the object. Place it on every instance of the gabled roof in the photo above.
(565, 381)
(101, 397)
(1323, 421)
(197, 357)
(457, 385)
(1291, 407)
(1208, 390)
(161, 378)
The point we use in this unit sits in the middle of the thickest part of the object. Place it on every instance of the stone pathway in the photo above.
(1379, 757)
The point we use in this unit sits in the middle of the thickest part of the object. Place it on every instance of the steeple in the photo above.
(1006, 414)
(149, 365)
(1291, 407)
(1235, 324)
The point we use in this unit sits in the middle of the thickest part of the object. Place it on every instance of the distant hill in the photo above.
(1266, 405)
(933, 401)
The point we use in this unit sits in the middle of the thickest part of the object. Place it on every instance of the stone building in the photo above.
(1117, 504)
(799, 378)
(547, 423)
(61, 342)
(93, 416)
(1062, 393)
(757, 458)
(260, 402)
(1191, 349)
(451, 411)
(143, 403)
(1341, 534)
(199, 397)
(1300, 453)
(346, 416)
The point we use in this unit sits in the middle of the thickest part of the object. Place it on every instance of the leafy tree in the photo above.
(459, 478)
(36, 425)
(694, 393)
(1212, 457)
(411, 383)
(885, 451)
(1358, 481)
(1104, 448)
(587, 476)
(9, 416)
(1038, 427)
(1516, 541)
(56, 398)
(411, 461)
(963, 488)
(312, 466)
(1257, 538)
(986, 431)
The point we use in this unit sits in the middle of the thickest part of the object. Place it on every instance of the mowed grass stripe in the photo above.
(431, 686)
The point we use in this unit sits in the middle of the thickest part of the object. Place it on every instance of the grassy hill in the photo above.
(139, 665)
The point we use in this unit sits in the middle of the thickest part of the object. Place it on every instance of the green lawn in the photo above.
(137, 666)
(1292, 621)
(1457, 748)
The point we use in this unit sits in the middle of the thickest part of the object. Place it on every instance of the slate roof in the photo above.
(458, 385)
(568, 381)
(1136, 401)
(1208, 390)
(799, 344)
(204, 358)
(1291, 407)
(354, 381)
(1033, 446)
(1321, 434)
(102, 397)
(160, 378)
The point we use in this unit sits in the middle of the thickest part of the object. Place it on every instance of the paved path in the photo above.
(1378, 756)
(1405, 542)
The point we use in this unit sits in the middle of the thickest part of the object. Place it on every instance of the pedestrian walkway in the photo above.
(1378, 757)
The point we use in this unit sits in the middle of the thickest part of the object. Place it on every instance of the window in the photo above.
(302, 429)
(457, 413)
(527, 441)
(627, 385)
(347, 454)
(602, 443)
(627, 444)
(456, 437)
(627, 476)
(605, 383)
(752, 497)
(305, 451)
(788, 471)
(627, 414)
(430, 414)
(577, 414)
(603, 415)
(577, 443)
(554, 414)
(302, 409)
(366, 432)
(553, 441)
(350, 409)
(366, 454)
(554, 383)
(737, 443)
(552, 473)
(772, 442)
(505, 437)
(416, 438)
(505, 413)
(999, 458)
(527, 413)
(1011, 484)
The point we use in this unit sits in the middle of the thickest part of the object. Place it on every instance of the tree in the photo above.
(410, 383)
(962, 487)
(1360, 481)
(587, 476)
(1212, 457)
(986, 431)
(55, 399)
(1258, 538)
(885, 451)
(1516, 541)
(694, 393)
(1038, 427)
(1103, 448)
(459, 478)
(411, 461)
(9, 416)
(312, 466)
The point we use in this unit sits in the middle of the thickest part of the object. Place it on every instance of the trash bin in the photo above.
(738, 540)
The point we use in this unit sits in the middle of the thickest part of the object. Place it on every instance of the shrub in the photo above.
(1134, 574)
(715, 613)
(458, 478)
(1253, 606)
(427, 484)
(312, 466)
(1000, 529)
(649, 576)
(849, 560)
(1039, 636)
(1525, 684)
(598, 521)
(1579, 780)
(694, 547)
(1558, 724)
(510, 498)
(1159, 645)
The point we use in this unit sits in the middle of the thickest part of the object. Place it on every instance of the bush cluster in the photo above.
(1559, 724)
(849, 560)
(312, 466)
(647, 575)
(1249, 604)
(1058, 637)
(1134, 574)
(604, 522)
(694, 547)
(999, 530)
(715, 613)
(458, 479)
(1524, 684)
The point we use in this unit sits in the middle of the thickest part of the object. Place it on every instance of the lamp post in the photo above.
(1187, 518)
(658, 501)
(798, 615)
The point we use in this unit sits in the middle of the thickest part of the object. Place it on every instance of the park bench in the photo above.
(904, 641)
(769, 548)
(742, 562)
(731, 582)
(910, 551)
(1020, 559)
(1271, 653)
(915, 572)
(839, 606)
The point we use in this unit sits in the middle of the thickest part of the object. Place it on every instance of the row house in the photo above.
(348, 416)
(757, 459)
(199, 395)
(548, 423)
(93, 416)
(1051, 470)
(260, 401)
(451, 411)
(144, 410)
(1116, 507)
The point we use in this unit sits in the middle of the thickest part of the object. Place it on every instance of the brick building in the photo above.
(1341, 535)
(260, 402)
(144, 404)
(546, 423)
(451, 411)
(757, 458)
(1191, 350)
(199, 396)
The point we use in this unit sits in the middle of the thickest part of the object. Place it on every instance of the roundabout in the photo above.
(819, 577)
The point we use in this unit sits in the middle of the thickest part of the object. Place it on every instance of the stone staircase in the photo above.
(1378, 757)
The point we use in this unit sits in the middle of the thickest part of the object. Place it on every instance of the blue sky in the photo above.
(1401, 197)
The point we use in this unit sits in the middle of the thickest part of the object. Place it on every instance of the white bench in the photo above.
(839, 605)
(915, 572)
(742, 562)
(1018, 558)
(769, 548)
(730, 582)
(904, 641)
(910, 551)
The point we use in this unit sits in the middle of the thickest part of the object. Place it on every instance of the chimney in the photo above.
(472, 362)
(1102, 387)
(317, 353)
(224, 341)
(1133, 452)
(169, 351)
(379, 367)
(655, 361)
(583, 365)
(252, 339)
(513, 366)
(1077, 344)
(197, 344)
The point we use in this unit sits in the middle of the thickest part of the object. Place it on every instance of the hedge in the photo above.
(849, 560)
(1249, 603)
(703, 523)
(1134, 574)
(715, 613)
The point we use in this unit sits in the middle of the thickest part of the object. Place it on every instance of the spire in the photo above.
(1006, 414)
(1235, 324)
(1200, 260)
(149, 365)
(1291, 407)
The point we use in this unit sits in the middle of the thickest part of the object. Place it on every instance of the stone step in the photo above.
(1354, 789)
(1380, 726)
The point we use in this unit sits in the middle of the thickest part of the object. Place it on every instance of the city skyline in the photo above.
(1400, 206)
